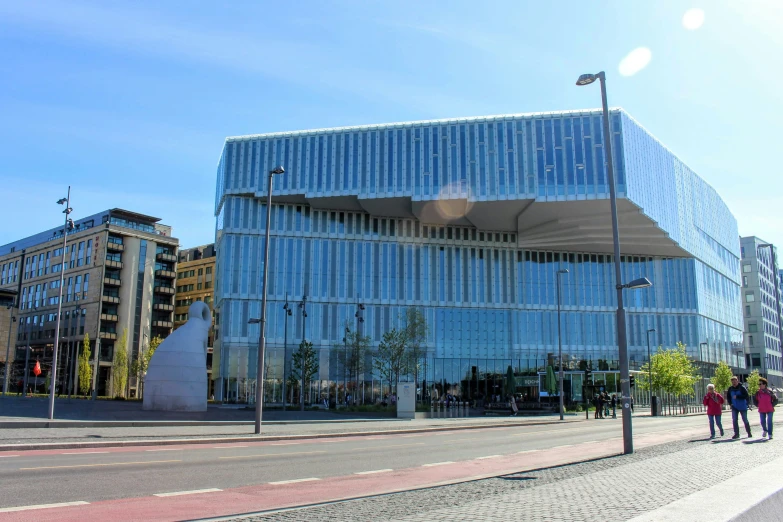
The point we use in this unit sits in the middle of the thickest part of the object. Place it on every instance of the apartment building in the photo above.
(195, 282)
(120, 268)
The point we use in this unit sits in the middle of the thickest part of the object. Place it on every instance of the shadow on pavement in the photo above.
(518, 478)
(757, 441)
(702, 440)
(724, 441)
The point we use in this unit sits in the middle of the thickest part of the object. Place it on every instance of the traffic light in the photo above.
(633, 381)
(587, 375)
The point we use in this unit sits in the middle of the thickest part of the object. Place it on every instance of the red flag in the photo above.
(37, 368)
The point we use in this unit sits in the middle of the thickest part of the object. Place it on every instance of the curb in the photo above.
(10, 425)
(251, 438)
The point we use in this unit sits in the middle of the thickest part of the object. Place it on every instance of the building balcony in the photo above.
(167, 290)
(166, 274)
(162, 324)
(115, 247)
(163, 307)
(109, 317)
(113, 264)
(110, 299)
(166, 257)
(109, 336)
(111, 281)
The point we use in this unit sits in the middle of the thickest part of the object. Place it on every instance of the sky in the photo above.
(130, 102)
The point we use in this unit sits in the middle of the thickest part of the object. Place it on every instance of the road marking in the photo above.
(489, 457)
(437, 464)
(285, 444)
(43, 506)
(99, 465)
(166, 449)
(83, 452)
(374, 471)
(280, 482)
(529, 451)
(191, 492)
(7, 456)
(272, 454)
(458, 441)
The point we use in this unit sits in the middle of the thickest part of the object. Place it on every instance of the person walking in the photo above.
(614, 406)
(738, 399)
(714, 403)
(765, 400)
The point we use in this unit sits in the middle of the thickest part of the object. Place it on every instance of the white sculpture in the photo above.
(176, 379)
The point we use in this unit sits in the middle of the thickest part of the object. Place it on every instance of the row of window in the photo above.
(34, 296)
(192, 273)
(198, 286)
(9, 272)
(80, 254)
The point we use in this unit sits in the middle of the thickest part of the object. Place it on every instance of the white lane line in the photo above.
(280, 482)
(373, 471)
(191, 492)
(526, 451)
(83, 452)
(437, 464)
(43, 506)
(7, 456)
(489, 457)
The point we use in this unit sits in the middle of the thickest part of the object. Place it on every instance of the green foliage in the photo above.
(304, 364)
(120, 366)
(672, 372)
(722, 377)
(358, 346)
(415, 331)
(390, 360)
(139, 366)
(85, 370)
(753, 382)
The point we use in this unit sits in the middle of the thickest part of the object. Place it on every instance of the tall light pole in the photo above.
(649, 369)
(303, 307)
(345, 366)
(66, 228)
(11, 321)
(560, 343)
(262, 320)
(622, 335)
(287, 312)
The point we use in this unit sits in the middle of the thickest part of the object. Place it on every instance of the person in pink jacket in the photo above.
(714, 403)
(766, 400)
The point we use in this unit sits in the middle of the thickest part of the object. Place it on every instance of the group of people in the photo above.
(606, 404)
(739, 401)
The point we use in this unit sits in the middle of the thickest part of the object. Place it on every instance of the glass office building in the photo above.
(470, 220)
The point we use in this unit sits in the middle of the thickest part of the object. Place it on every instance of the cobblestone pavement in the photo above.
(610, 489)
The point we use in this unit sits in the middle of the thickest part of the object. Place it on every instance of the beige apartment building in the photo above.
(120, 267)
(195, 282)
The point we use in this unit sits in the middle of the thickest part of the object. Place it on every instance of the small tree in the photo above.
(722, 377)
(415, 330)
(120, 365)
(390, 358)
(140, 365)
(356, 356)
(672, 372)
(304, 365)
(753, 382)
(85, 370)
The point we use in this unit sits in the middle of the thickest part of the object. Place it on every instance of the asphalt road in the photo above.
(54, 476)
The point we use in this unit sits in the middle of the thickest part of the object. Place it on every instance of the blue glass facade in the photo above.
(412, 214)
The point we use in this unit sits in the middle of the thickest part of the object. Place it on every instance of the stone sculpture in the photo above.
(176, 379)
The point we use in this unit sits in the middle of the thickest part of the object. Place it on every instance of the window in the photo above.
(209, 270)
(750, 297)
(207, 285)
(747, 310)
(746, 268)
(745, 281)
(753, 327)
(200, 271)
(198, 287)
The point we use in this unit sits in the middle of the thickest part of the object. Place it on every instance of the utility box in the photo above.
(406, 400)
(655, 406)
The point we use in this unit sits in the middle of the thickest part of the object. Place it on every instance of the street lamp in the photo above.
(262, 320)
(66, 228)
(560, 342)
(303, 307)
(11, 321)
(649, 370)
(287, 310)
(622, 336)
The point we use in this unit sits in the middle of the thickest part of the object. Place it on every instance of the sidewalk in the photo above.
(695, 480)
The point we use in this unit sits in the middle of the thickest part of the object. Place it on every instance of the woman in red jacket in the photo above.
(714, 403)
(765, 399)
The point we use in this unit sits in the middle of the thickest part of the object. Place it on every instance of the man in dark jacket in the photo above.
(738, 397)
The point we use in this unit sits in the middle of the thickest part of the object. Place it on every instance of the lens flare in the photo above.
(693, 19)
(635, 61)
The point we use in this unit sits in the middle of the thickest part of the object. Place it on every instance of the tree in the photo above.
(140, 365)
(390, 358)
(304, 365)
(358, 346)
(672, 372)
(511, 382)
(722, 377)
(120, 365)
(85, 370)
(415, 330)
(753, 382)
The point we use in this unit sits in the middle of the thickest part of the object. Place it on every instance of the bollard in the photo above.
(432, 410)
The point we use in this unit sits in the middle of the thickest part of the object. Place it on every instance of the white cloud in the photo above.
(635, 61)
(693, 19)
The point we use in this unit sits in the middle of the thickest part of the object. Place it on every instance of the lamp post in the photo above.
(303, 307)
(359, 315)
(622, 336)
(649, 369)
(287, 312)
(11, 321)
(262, 320)
(66, 228)
(560, 342)
(345, 366)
